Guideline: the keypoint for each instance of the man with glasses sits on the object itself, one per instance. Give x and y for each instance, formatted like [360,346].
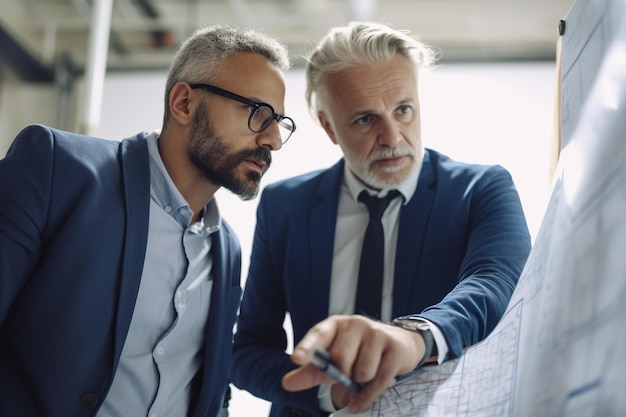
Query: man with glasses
[119,280]
[382,288]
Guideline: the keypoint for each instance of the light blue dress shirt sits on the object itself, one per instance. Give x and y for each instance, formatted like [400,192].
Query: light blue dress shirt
[163,349]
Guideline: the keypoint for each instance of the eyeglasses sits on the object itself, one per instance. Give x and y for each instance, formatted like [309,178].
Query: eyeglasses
[261,114]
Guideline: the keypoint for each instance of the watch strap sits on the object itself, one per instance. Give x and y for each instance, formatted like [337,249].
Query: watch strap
[429,342]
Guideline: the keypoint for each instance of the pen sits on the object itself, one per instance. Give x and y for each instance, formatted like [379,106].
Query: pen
[321,359]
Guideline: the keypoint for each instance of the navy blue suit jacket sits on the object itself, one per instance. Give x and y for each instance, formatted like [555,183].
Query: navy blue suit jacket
[73,231]
[462,244]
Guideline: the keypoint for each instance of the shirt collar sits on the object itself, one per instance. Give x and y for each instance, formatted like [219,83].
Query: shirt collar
[164,192]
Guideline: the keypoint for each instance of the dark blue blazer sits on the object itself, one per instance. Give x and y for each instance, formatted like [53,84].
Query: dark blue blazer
[74,217]
[462,244]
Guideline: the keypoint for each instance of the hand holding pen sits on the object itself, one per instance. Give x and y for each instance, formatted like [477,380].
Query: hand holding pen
[321,359]
[372,353]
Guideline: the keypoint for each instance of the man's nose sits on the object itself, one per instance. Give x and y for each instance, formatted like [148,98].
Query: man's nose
[388,133]
[270,137]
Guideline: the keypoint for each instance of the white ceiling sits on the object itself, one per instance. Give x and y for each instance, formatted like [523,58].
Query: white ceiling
[465,30]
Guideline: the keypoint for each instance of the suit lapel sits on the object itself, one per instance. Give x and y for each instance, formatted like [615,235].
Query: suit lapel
[411,234]
[225,297]
[219,297]
[136,184]
[322,233]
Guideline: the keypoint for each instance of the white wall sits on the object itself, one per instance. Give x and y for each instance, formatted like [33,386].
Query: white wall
[484,113]
[22,104]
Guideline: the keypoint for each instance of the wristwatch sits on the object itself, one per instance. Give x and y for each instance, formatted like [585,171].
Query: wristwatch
[419,325]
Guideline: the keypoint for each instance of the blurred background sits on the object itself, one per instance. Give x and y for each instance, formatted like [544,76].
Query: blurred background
[99,67]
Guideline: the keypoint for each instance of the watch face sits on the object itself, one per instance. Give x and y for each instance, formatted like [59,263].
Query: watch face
[420,325]
[412,323]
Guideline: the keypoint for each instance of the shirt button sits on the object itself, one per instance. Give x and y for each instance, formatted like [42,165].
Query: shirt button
[153,415]
[159,350]
[89,400]
[168,209]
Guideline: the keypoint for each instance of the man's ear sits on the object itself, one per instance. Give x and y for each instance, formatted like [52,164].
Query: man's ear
[180,102]
[326,125]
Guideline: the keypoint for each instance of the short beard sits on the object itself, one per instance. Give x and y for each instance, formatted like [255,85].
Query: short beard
[213,158]
[386,179]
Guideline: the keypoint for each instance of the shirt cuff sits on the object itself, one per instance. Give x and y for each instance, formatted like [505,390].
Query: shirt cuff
[324,398]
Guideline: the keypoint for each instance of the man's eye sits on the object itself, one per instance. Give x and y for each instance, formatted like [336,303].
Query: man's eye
[364,120]
[404,109]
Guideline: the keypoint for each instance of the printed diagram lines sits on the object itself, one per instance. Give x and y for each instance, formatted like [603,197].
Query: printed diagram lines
[479,383]
[583,308]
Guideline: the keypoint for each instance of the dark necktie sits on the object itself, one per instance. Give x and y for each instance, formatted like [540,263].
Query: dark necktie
[370,287]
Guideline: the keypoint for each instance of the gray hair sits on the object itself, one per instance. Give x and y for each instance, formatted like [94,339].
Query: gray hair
[200,57]
[357,44]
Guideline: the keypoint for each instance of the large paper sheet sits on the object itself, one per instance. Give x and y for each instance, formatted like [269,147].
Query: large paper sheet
[560,349]
[589,30]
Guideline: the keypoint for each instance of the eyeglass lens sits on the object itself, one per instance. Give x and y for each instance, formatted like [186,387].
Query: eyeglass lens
[263,116]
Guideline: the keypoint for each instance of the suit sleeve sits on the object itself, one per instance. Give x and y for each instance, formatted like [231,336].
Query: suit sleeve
[497,244]
[25,175]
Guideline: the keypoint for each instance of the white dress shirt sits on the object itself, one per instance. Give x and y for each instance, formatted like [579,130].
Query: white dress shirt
[352,220]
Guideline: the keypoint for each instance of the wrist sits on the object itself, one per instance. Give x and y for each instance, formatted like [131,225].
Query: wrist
[421,327]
